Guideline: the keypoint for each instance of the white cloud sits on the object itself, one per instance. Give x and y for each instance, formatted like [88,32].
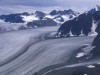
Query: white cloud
[7,9]
[46,5]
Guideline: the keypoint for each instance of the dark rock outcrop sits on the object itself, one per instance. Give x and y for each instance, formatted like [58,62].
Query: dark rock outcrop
[13,18]
[40,14]
[65,12]
[41,23]
[81,24]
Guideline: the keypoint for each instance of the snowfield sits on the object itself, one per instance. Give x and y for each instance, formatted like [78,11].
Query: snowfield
[25,52]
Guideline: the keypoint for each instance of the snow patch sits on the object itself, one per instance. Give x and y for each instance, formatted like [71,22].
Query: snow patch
[84,74]
[66,18]
[91,66]
[59,22]
[71,33]
[94,26]
[30,18]
[49,16]
[80,55]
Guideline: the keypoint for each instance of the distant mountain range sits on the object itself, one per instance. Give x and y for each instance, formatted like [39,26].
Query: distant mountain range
[72,23]
[84,24]
[37,19]
[57,16]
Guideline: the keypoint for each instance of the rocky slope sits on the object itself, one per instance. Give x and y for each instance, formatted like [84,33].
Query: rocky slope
[84,24]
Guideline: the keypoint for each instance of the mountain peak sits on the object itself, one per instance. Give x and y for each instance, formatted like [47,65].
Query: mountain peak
[63,12]
[97,8]
[54,12]
[40,14]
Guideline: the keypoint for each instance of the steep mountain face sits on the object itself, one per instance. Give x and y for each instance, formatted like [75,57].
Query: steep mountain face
[96,42]
[77,26]
[84,24]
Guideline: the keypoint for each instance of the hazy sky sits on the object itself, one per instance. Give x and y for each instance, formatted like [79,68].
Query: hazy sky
[8,6]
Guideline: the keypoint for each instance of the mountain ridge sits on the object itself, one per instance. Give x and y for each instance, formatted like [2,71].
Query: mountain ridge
[84,24]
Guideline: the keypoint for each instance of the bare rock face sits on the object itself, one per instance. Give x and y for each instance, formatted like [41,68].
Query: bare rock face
[64,12]
[41,23]
[96,43]
[14,18]
[81,24]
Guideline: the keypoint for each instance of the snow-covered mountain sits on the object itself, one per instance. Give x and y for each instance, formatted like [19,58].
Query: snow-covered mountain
[84,24]
[62,16]
[57,16]
[64,12]
[37,19]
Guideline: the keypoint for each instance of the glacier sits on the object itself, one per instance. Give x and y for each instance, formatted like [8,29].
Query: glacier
[25,52]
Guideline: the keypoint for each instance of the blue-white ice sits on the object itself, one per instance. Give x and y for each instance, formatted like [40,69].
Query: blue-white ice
[25,52]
